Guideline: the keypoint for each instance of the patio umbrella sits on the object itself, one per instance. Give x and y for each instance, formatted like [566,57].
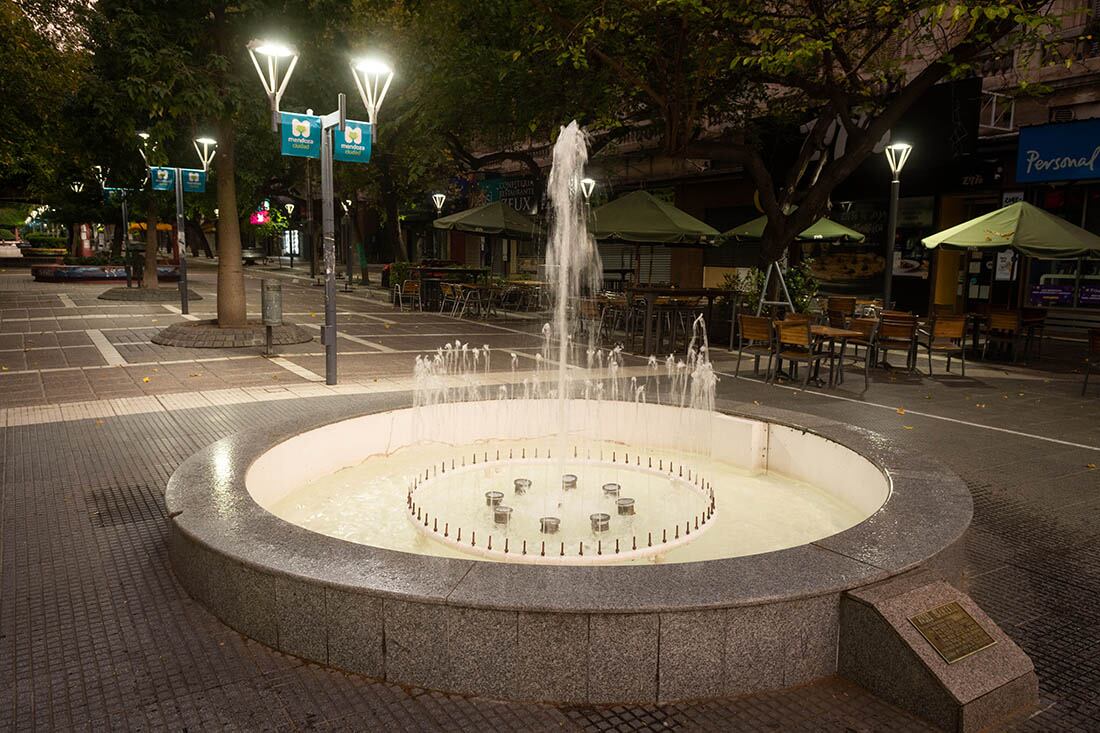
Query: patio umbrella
[1023,227]
[641,218]
[495,218]
[822,230]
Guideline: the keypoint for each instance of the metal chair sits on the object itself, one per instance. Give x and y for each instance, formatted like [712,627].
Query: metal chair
[408,292]
[795,344]
[755,337]
[946,335]
[897,330]
[450,296]
[1004,330]
[1092,358]
[867,328]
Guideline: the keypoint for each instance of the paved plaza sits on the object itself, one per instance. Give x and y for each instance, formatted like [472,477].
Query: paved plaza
[96,634]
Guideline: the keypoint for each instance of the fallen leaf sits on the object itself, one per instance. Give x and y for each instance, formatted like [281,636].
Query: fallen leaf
[145,379]
[928,397]
[98,422]
[387,327]
[312,315]
[907,427]
[979,404]
[1090,466]
[756,402]
[155,320]
[193,375]
[901,410]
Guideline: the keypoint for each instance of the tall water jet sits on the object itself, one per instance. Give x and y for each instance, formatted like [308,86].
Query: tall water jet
[572,260]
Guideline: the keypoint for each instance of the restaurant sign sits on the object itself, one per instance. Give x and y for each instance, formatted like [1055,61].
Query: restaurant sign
[1061,152]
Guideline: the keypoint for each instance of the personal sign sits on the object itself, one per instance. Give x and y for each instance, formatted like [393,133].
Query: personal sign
[353,144]
[1061,152]
[194,180]
[301,135]
[162,179]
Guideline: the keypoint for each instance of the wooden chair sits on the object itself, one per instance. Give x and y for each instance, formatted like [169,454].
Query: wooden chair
[842,304]
[1092,358]
[1004,329]
[449,297]
[897,330]
[755,337]
[407,292]
[795,344]
[946,335]
[867,328]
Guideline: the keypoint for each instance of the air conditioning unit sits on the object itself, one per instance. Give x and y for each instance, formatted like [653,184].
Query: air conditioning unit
[1062,114]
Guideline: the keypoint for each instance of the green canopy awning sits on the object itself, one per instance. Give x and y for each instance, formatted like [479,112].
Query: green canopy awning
[495,218]
[1023,227]
[639,217]
[823,230]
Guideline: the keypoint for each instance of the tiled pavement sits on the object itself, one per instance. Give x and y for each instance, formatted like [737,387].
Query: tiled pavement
[95,633]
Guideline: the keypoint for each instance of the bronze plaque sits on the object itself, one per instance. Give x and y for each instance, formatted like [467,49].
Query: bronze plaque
[952,632]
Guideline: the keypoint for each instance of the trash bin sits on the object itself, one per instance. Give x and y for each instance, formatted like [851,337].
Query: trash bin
[135,262]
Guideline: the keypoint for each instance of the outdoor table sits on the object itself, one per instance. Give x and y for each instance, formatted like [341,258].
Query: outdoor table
[651,295]
[1028,323]
[832,334]
[448,273]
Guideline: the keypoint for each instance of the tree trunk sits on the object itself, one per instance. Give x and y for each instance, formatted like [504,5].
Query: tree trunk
[231,302]
[74,241]
[116,241]
[149,275]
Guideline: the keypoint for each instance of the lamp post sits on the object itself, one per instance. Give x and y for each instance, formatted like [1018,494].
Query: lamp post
[204,146]
[290,242]
[345,233]
[588,185]
[273,52]
[896,155]
[373,86]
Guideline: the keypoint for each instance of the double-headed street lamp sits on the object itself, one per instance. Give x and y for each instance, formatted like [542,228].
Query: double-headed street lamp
[373,78]
[204,146]
[896,155]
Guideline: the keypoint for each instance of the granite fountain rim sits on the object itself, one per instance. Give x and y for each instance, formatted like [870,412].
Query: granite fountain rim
[928,510]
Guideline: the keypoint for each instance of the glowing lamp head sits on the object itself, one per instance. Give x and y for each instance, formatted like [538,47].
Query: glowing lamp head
[274,49]
[896,155]
[206,141]
[373,66]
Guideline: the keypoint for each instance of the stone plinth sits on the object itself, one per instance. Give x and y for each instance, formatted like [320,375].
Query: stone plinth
[882,649]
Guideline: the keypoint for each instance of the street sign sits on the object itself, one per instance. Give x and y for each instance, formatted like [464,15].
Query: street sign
[194,180]
[300,134]
[163,179]
[353,144]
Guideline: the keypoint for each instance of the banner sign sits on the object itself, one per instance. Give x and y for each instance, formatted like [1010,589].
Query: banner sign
[300,134]
[162,179]
[1060,152]
[353,144]
[194,180]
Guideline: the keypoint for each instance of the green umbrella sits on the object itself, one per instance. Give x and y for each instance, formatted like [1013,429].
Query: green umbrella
[823,230]
[1023,227]
[495,218]
[639,217]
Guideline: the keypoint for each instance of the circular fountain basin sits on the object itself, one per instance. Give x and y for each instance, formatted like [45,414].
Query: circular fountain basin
[308,539]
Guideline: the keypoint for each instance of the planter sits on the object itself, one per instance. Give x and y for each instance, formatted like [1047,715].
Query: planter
[84,273]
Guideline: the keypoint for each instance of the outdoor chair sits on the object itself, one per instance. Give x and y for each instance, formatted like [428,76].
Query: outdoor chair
[1092,358]
[407,292]
[845,305]
[1034,321]
[867,328]
[449,297]
[754,337]
[1004,331]
[946,335]
[897,331]
[837,318]
[795,344]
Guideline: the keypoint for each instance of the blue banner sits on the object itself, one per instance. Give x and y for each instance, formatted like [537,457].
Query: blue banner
[353,144]
[162,179]
[1062,152]
[301,135]
[194,180]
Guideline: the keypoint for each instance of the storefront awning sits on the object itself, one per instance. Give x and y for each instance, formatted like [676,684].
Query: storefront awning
[1022,227]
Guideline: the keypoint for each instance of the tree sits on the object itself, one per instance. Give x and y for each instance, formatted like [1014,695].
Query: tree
[719,79]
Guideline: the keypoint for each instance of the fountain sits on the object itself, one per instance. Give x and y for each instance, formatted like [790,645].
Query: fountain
[664,545]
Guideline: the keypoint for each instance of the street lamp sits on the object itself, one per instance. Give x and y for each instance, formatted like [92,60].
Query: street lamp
[77,186]
[273,52]
[206,152]
[896,155]
[438,199]
[373,78]
[587,186]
